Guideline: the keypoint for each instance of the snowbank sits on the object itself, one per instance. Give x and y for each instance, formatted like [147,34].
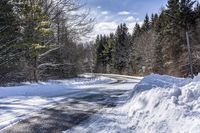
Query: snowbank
[157,104]
[165,104]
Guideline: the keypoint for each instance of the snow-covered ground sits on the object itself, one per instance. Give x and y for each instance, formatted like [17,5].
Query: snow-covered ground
[158,104]
[20,102]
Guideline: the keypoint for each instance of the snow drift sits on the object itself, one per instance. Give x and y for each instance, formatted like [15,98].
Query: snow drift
[156,104]
[165,104]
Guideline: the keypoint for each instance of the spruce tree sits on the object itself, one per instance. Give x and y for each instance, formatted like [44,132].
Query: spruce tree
[146,24]
[36,28]
[122,43]
[197,11]
[154,19]
[187,14]
[109,52]
[9,32]
[100,60]
[136,31]
[10,52]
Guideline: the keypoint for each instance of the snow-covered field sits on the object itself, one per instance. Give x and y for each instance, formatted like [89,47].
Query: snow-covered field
[158,104]
[20,102]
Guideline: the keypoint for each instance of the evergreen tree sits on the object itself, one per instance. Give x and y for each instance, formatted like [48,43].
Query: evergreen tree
[158,64]
[9,32]
[109,52]
[100,60]
[121,54]
[187,14]
[173,31]
[136,31]
[154,20]
[146,24]
[36,28]
[105,51]
[197,11]
[10,52]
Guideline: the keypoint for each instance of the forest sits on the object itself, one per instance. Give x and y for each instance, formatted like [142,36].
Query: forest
[40,40]
[157,46]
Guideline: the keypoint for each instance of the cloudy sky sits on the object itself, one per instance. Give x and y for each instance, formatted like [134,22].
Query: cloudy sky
[109,13]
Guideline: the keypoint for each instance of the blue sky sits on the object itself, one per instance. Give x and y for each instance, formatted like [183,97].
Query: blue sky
[109,13]
[140,6]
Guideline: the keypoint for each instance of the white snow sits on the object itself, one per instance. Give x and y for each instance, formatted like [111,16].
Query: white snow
[158,104]
[20,102]
[53,88]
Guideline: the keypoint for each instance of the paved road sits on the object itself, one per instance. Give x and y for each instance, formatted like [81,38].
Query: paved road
[73,110]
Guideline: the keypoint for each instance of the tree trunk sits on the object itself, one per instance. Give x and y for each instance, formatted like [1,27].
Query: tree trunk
[35,70]
[189,55]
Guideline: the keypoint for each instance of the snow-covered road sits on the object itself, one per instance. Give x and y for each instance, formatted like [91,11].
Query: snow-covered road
[103,104]
[158,104]
[59,105]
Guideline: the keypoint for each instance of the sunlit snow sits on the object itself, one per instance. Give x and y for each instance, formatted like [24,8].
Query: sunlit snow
[157,104]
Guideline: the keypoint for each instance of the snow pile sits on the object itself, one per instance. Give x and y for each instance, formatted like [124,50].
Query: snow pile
[157,104]
[165,104]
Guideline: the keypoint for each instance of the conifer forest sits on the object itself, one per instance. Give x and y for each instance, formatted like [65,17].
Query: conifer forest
[40,40]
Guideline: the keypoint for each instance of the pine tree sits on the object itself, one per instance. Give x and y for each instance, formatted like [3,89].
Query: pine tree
[122,43]
[187,14]
[36,29]
[173,30]
[180,13]
[197,11]
[10,52]
[158,63]
[109,52]
[146,24]
[105,51]
[154,20]
[136,31]
[9,32]
[100,60]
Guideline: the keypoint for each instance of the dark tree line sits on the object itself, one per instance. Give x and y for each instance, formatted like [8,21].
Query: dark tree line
[38,39]
[158,45]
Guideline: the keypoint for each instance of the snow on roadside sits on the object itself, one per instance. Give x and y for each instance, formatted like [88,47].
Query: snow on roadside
[157,104]
[53,87]
[20,102]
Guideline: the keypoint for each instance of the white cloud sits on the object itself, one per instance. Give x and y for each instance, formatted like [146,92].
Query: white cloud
[135,13]
[131,26]
[131,18]
[107,22]
[104,12]
[123,13]
[105,27]
[98,7]
[101,28]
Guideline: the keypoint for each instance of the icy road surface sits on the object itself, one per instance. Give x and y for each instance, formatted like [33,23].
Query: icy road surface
[57,106]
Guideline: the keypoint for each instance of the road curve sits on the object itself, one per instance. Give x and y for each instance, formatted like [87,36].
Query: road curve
[73,110]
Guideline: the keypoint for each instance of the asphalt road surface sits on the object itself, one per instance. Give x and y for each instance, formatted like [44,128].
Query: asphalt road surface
[73,110]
